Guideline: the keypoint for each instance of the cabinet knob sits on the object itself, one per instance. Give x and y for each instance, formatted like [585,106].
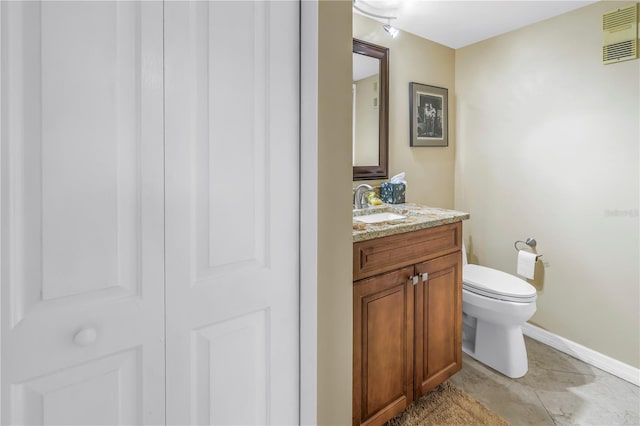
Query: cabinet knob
[415,279]
[85,336]
[425,276]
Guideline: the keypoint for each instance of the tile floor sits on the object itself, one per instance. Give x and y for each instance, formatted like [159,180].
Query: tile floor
[557,390]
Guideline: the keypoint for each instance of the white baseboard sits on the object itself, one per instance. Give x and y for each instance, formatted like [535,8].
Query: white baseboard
[591,357]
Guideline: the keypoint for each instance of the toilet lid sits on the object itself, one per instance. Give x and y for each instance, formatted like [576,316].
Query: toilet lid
[496,284]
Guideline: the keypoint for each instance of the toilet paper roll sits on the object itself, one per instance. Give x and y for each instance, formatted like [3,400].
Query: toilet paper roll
[526,263]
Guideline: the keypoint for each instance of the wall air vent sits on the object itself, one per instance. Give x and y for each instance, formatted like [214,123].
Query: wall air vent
[620,35]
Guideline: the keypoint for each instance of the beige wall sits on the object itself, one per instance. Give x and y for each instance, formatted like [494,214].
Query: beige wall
[335,306]
[547,147]
[429,171]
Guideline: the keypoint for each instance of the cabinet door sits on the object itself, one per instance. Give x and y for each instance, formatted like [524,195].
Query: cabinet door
[383,346]
[438,321]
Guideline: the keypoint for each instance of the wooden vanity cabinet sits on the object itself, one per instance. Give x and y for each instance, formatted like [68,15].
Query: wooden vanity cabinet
[407,319]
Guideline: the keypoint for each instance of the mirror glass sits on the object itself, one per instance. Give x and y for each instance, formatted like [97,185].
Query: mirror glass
[366,111]
[370,110]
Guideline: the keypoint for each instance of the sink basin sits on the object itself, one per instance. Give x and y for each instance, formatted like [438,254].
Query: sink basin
[379,217]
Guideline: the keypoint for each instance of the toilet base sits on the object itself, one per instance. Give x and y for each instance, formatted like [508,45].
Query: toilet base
[500,347]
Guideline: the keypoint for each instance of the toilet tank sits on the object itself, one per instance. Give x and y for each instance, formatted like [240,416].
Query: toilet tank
[464,254]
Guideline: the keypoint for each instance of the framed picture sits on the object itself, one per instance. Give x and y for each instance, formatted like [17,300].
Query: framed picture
[429,106]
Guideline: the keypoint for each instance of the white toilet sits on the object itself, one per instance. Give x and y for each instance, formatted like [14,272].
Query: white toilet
[495,305]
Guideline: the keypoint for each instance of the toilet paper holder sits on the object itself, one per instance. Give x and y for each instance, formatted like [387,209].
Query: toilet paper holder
[531,242]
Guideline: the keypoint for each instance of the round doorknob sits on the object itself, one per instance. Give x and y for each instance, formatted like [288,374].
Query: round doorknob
[85,336]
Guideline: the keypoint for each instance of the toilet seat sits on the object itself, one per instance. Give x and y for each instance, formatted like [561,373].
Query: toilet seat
[496,284]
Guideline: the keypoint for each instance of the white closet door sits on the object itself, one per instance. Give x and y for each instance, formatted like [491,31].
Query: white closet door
[232,76]
[82,213]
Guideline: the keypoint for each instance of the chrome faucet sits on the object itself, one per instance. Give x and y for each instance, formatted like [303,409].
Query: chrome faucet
[359,199]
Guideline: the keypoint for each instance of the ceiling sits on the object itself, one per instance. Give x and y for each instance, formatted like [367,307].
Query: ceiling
[457,24]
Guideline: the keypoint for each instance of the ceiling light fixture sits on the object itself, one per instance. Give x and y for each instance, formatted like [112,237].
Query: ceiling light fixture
[393,32]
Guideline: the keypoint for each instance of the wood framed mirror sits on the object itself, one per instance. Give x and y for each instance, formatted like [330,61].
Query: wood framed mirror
[370,111]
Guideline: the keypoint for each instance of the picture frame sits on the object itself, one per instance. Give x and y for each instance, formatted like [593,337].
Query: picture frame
[429,112]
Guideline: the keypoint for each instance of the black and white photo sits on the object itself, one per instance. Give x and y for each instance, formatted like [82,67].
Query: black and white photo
[429,115]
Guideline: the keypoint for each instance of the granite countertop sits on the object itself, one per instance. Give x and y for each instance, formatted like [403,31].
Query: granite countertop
[417,217]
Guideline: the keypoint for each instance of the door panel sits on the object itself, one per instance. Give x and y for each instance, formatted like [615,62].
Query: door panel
[82,211]
[232,164]
[442,324]
[232,212]
[236,341]
[108,388]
